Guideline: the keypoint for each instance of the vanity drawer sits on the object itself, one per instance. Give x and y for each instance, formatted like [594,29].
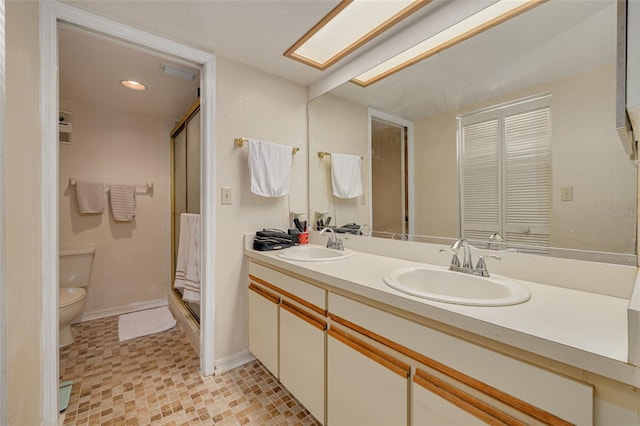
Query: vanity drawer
[284,284]
[562,397]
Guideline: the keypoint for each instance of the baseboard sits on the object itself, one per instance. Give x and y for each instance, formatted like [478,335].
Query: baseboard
[233,361]
[119,310]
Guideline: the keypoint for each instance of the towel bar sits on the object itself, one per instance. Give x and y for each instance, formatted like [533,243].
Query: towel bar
[322,154]
[239,142]
[147,185]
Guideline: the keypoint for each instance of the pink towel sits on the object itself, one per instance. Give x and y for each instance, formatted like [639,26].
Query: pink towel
[90,197]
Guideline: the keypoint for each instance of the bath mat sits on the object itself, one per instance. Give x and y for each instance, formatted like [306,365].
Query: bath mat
[146,322]
[64,392]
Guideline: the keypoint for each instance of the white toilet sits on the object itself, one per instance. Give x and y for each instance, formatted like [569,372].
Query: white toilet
[74,274]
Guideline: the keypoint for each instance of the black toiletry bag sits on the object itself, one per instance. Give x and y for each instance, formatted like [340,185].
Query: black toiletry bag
[271,239]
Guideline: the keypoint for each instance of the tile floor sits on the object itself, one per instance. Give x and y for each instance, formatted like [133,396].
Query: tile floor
[154,380]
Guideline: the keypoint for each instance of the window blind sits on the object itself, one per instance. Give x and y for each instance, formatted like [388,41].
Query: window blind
[506,173]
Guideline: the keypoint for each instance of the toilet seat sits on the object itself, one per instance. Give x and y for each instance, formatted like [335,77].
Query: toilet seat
[70,295]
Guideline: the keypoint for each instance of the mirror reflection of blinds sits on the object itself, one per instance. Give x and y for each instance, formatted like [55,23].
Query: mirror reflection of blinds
[481,176]
[506,174]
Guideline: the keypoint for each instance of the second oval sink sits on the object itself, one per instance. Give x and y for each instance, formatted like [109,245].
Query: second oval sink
[312,253]
[447,286]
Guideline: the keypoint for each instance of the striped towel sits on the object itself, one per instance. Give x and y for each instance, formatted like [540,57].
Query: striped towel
[123,202]
[188,262]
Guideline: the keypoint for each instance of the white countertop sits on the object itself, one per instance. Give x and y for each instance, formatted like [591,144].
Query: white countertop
[581,329]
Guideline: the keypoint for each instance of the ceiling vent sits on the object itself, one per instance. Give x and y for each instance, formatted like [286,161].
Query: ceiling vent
[186,74]
[65,127]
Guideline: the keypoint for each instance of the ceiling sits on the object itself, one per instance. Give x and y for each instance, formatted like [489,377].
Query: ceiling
[511,56]
[91,68]
[253,32]
[551,41]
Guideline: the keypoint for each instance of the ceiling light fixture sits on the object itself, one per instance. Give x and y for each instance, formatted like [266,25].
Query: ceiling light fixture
[483,20]
[133,85]
[183,73]
[347,27]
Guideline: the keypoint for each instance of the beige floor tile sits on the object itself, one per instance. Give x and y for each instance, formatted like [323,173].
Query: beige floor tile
[154,380]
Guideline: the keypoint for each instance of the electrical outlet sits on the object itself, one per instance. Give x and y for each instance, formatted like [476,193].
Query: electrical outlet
[225,196]
[363,199]
[566,193]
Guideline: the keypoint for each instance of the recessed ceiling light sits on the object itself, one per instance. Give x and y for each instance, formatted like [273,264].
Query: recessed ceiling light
[133,85]
[483,20]
[347,27]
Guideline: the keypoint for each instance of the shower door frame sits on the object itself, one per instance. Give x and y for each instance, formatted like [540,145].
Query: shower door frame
[181,126]
[50,13]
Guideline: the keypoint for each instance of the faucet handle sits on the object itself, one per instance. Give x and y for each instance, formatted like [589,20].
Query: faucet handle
[455,260]
[481,266]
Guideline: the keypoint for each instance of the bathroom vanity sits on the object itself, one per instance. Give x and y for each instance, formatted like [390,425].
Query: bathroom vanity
[355,351]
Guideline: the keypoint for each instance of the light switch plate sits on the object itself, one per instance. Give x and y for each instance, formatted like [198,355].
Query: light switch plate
[225,196]
[566,193]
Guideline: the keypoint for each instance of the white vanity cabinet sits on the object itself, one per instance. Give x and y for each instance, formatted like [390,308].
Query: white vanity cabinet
[300,333]
[302,343]
[353,362]
[457,382]
[365,386]
[263,326]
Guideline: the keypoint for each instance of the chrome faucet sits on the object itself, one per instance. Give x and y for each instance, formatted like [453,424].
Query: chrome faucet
[467,261]
[495,238]
[332,241]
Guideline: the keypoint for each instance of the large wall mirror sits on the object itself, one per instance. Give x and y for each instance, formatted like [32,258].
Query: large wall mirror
[409,130]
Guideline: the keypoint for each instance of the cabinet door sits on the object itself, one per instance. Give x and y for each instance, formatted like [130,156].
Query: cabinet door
[437,401]
[360,389]
[263,327]
[302,338]
[431,409]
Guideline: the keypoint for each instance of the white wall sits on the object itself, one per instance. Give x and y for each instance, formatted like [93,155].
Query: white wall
[109,145]
[337,125]
[436,176]
[250,103]
[22,216]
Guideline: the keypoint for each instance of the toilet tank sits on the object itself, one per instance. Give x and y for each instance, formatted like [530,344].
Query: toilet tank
[75,266]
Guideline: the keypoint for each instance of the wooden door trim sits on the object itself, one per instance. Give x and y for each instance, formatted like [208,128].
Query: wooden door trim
[463,400]
[400,368]
[271,297]
[317,323]
[293,297]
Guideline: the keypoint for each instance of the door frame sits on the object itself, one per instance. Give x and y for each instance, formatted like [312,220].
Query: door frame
[410,163]
[3,300]
[50,13]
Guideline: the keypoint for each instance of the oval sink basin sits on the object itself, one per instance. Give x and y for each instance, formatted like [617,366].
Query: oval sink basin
[447,286]
[307,253]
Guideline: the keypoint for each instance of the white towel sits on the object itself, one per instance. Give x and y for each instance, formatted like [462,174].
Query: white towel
[90,197]
[123,202]
[188,262]
[270,168]
[346,175]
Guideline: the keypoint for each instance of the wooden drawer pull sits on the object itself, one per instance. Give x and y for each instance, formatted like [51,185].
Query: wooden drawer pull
[319,324]
[289,295]
[370,352]
[463,400]
[264,293]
